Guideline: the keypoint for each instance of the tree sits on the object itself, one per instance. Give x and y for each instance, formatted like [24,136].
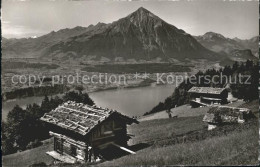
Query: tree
[79,88]
[34,110]
[86,99]
[17,125]
[7,140]
[247,91]
[249,64]
[235,66]
[45,106]
[78,98]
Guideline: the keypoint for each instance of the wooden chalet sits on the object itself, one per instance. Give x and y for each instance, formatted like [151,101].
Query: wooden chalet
[82,131]
[221,115]
[204,96]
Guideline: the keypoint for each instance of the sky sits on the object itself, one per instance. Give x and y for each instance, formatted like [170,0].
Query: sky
[29,18]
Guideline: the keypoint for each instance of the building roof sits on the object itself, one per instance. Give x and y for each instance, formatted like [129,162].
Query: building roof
[81,118]
[219,114]
[206,90]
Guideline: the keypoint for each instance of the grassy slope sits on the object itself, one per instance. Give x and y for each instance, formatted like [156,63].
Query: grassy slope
[253,106]
[181,111]
[187,111]
[234,149]
[161,129]
[237,147]
[29,157]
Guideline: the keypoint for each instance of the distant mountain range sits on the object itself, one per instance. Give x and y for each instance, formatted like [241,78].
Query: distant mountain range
[218,43]
[140,36]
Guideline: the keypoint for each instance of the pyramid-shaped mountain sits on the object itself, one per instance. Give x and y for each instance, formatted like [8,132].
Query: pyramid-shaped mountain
[138,36]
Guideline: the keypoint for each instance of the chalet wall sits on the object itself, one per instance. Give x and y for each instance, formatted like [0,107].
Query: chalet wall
[70,149]
[66,145]
[109,131]
[197,95]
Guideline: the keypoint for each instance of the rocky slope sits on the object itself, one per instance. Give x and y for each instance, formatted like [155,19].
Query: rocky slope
[218,43]
[242,55]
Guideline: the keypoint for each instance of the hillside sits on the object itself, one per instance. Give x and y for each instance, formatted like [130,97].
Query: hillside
[240,90]
[230,145]
[236,148]
[185,141]
[183,111]
[251,44]
[218,43]
[248,49]
[34,47]
[242,55]
[140,36]
[29,157]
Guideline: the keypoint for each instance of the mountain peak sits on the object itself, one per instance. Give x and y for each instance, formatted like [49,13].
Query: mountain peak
[142,14]
[213,34]
[142,9]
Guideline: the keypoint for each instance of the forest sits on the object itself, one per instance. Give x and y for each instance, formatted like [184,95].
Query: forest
[35,91]
[241,90]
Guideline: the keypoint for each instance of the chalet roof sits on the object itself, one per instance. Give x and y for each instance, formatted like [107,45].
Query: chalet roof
[206,90]
[81,118]
[218,114]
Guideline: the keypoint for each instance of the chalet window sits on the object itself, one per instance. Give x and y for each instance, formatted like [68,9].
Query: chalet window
[107,128]
[73,150]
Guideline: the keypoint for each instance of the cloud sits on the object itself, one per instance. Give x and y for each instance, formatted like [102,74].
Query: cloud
[10,30]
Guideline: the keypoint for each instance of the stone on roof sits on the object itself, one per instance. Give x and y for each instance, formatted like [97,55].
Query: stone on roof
[206,90]
[225,114]
[81,118]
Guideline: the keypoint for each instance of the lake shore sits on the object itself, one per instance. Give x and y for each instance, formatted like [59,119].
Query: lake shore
[115,98]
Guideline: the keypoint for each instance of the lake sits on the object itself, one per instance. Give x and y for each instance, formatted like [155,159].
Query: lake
[129,101]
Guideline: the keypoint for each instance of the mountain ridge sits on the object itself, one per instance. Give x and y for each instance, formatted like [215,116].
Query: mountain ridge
[221,44]
[140,36]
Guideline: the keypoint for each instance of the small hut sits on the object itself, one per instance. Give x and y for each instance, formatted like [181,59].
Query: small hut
[221,115]
[204,96]
[82,131]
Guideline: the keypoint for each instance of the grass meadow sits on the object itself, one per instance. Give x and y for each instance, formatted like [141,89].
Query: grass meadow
[238,148]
